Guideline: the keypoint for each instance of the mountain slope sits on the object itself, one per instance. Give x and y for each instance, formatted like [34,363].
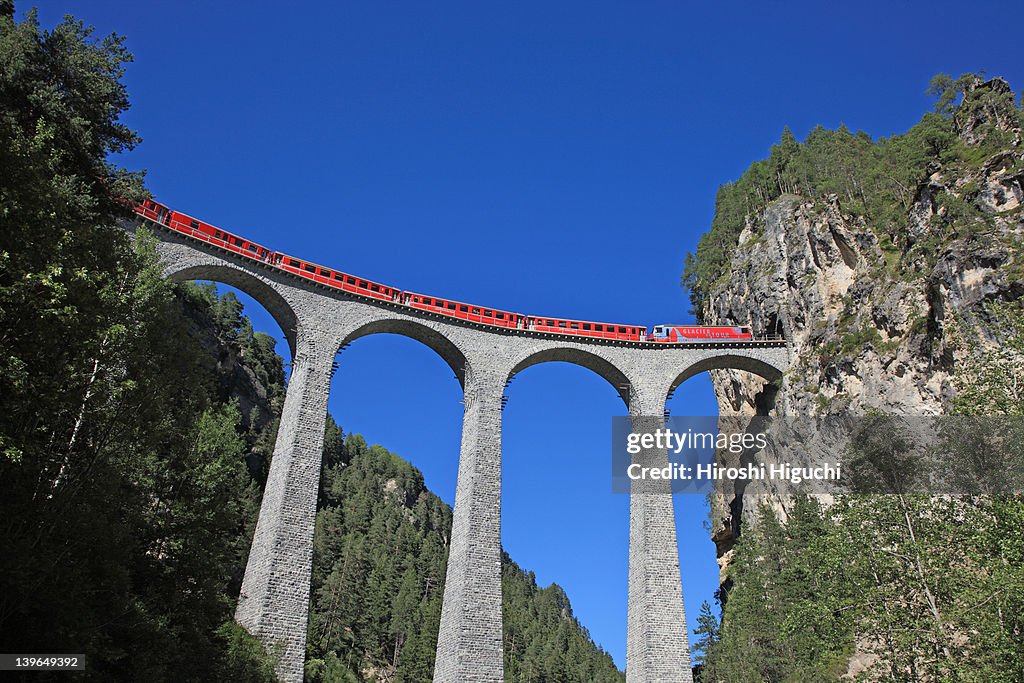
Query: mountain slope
[894,269]
[879,260]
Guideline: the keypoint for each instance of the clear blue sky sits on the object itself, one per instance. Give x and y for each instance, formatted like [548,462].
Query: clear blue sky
[556,158]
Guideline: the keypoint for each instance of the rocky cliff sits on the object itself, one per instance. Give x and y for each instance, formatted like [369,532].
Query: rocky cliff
[876,259]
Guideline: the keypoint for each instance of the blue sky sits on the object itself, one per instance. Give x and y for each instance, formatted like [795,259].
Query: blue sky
[556,158]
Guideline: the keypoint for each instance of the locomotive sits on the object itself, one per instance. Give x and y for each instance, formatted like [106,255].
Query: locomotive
[197,229]
[691,333]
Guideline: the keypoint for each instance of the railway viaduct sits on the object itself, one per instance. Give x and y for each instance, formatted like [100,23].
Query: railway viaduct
[318,321]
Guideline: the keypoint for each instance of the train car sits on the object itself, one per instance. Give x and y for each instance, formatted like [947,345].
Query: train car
[584,328]
[335,278]
[194,227]
[456,309]
[699,333]
[154,211]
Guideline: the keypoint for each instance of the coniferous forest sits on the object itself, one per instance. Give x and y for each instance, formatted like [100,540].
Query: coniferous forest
[137,422]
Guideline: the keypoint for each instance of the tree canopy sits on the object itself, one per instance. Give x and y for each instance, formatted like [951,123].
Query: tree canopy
[874,179]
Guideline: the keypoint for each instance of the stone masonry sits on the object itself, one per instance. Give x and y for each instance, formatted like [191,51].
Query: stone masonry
[318,321]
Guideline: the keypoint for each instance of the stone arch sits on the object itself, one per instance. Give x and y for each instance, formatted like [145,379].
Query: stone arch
[280,310]
[424,334]
[727,361]
[585,359]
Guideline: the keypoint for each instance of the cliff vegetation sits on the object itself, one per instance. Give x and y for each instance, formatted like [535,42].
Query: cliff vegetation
[893,267]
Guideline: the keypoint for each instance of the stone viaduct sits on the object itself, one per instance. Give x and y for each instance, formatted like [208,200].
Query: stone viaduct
[318,321]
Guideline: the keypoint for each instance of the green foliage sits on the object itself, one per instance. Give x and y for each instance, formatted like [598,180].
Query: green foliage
[708,634]
[948,91]
[129,499]
[780,621]
[245,659]
[925,587]
[543,640]
[875,179]
[123,483]
[928,589]
[859,338]
[992,382]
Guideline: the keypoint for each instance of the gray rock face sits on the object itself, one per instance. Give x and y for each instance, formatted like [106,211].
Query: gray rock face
[318,321]
[873,326]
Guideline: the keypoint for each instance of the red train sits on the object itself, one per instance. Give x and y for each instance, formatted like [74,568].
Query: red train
[699,333]
[334,278]
[583,328]
[329,277]
[456,309]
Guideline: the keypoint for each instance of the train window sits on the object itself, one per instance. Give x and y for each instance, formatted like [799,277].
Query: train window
[310,268]
[574,326]
[375,288]
[561,323]
[476,311]
[501,316]
[586,326]
[464,309]
[252,247]
[194,224]
[292,262]
[351,280]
